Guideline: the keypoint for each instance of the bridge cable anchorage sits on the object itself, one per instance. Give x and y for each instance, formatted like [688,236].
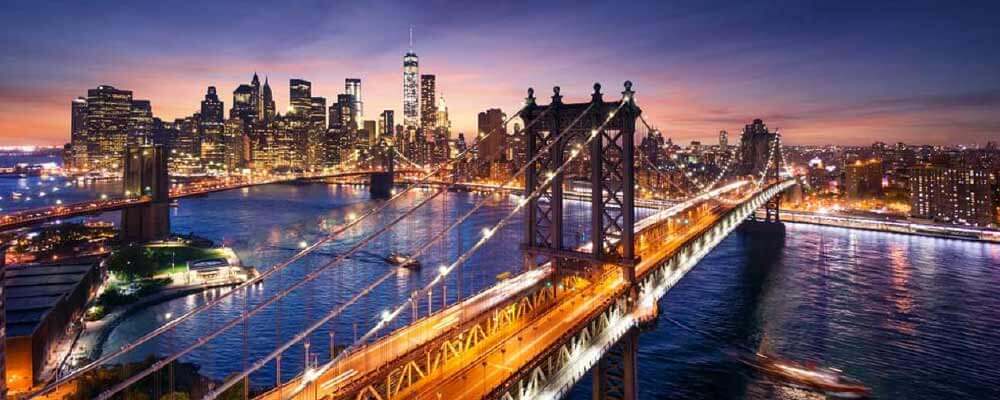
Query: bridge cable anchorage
[307,278]
[169,325]
[445,270]
[388,316]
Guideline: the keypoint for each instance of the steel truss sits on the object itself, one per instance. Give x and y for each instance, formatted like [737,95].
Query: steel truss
[553,373]
[612,177]
[392,380]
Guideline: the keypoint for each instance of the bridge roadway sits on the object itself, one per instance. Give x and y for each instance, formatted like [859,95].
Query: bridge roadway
[21,219]
[493,366]
[487,365]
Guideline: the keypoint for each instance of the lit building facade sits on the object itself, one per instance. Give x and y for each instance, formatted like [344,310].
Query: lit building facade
[108,113]
[80,143]
[352,86]
[299,96]
[863,179]
[428,103]
[490,122]
[954,195]
[411,101]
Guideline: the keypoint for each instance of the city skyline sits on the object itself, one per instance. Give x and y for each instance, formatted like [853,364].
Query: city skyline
[699,69]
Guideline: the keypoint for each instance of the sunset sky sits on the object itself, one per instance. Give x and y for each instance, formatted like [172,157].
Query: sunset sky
[843,73]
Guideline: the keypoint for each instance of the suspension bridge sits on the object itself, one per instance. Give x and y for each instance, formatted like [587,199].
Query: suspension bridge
[568,310]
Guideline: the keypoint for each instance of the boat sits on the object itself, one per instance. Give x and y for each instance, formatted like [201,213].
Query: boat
[829,381]
[402,260]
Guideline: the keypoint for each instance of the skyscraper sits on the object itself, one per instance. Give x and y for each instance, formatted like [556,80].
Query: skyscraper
[386,124]
[371,129]
[255,99]
[345,112]
[755,146]
[723,139]
[491,123]
[267,101]
[428,104]
[299,94]
[140,122]
[411,103]
[212,131]
[352,86]
[79,140]
[212,108]
[107,121]
[243,105]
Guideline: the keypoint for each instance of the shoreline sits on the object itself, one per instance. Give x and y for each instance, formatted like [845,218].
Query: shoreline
[97,332]
[981,235]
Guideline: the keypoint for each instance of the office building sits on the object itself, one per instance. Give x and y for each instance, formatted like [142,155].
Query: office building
[244,104]
[723,139]
[316,135]
[352,86]
[428,104]
[109,111]
[490,122]
[411,101]
[954,195]
[212,109]
[386,124]
[267,102]
[863,179]
[80,143]
[299,96]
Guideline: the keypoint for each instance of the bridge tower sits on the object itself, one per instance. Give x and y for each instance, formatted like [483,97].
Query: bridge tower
[610,160]
[771,224]
[145,176]
[773,205]
[380,183]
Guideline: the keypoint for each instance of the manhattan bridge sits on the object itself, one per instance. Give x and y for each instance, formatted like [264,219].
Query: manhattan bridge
[564,311]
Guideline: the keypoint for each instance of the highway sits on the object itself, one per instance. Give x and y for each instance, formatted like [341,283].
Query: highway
[369,358]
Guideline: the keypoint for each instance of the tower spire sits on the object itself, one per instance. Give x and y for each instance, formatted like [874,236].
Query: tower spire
[411,38]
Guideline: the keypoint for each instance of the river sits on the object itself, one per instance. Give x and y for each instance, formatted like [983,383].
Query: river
[910,316]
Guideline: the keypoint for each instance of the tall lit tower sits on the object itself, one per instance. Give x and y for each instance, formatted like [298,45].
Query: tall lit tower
[411,101]
[723,139]
[428,104]
[352,86]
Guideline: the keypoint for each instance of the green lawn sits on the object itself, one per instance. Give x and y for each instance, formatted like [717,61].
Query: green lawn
[149,260]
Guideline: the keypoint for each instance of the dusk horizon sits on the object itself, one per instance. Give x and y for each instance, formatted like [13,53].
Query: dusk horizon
[527,200]
[912,73]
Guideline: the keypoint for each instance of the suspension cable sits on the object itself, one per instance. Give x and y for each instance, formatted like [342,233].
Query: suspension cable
[169,325]
[701,187]
[388,316]
[416,294]
[308,277]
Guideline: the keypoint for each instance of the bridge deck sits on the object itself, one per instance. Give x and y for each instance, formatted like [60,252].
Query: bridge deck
[466,377]
[474,380]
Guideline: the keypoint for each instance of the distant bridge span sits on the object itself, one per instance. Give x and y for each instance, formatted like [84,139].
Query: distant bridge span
[25,218]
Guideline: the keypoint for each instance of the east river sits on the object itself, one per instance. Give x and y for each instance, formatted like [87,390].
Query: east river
[912,317]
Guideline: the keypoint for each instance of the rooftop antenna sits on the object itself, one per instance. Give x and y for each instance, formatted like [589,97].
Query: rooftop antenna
[411,38]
